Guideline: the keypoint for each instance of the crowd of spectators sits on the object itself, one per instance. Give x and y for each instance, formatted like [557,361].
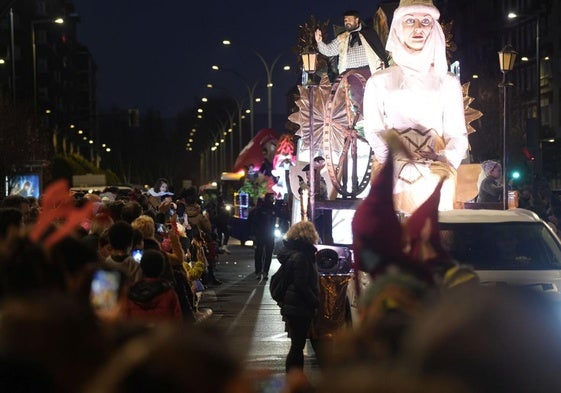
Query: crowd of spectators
[539,197]
[84,276]
[80,314]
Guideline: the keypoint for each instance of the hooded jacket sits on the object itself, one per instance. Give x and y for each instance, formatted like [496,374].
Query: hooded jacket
[152,300]
[302,296]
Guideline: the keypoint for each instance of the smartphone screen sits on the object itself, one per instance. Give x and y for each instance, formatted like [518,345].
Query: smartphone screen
[137,255]
[105,288]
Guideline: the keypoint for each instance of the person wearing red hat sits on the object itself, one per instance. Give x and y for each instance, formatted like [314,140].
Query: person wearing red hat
[422,103]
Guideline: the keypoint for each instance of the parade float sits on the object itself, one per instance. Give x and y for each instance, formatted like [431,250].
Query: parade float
[329,124]
[250,179]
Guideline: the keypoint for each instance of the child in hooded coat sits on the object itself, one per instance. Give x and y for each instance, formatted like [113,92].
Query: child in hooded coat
[152,299]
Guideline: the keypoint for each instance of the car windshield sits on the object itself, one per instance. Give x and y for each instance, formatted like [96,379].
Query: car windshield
[502,246]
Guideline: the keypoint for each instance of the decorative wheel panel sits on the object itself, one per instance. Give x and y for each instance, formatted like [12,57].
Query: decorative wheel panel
[347,154]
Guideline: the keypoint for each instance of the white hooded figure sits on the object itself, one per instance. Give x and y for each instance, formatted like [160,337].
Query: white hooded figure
[419,100]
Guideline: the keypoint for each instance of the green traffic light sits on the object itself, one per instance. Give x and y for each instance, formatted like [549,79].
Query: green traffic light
[516,175]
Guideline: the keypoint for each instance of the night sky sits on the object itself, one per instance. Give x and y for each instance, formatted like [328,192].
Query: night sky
[157,54]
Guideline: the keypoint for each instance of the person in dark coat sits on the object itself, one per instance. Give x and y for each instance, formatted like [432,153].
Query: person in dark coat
[301,299]
[262,221]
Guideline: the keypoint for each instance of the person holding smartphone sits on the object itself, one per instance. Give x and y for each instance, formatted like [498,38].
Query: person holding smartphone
[121,241]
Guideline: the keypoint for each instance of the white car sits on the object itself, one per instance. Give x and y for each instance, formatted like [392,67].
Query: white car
[505,247]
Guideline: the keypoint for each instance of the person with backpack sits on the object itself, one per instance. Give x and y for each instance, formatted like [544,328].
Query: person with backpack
[301,299]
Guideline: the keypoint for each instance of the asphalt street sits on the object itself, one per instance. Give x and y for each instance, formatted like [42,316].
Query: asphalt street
[242,306]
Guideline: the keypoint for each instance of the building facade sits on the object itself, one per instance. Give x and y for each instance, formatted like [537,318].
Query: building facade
[45,68]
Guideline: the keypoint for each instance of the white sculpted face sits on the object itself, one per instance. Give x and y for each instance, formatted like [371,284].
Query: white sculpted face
[416,28]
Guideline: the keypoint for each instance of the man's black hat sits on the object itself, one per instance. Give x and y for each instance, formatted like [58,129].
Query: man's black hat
[354,13]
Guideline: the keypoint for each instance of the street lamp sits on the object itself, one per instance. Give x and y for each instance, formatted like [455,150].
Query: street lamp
[239,109]
[12,54]
[507,57]
[269,70]
[536,16]
[218,153]
[309,65]
[220,136]
[225,118]
[230,129]
[34,52]
[250,92]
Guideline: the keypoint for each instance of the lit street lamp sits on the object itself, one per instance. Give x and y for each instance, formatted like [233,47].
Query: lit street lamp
[507,57]
[230,129]
[250,93]
[269,70]
[220,136]
[239,108]
[34,52]
[309,65]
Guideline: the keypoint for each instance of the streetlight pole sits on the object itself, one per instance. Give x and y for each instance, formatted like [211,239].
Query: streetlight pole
[239,108]
[13,54]
[312,171]
[507,57]
[34,53]
[269,70]
[309,62]
[537,17]
[221,137]
[538,93]
[230,127]
[219,134]
[250,93]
